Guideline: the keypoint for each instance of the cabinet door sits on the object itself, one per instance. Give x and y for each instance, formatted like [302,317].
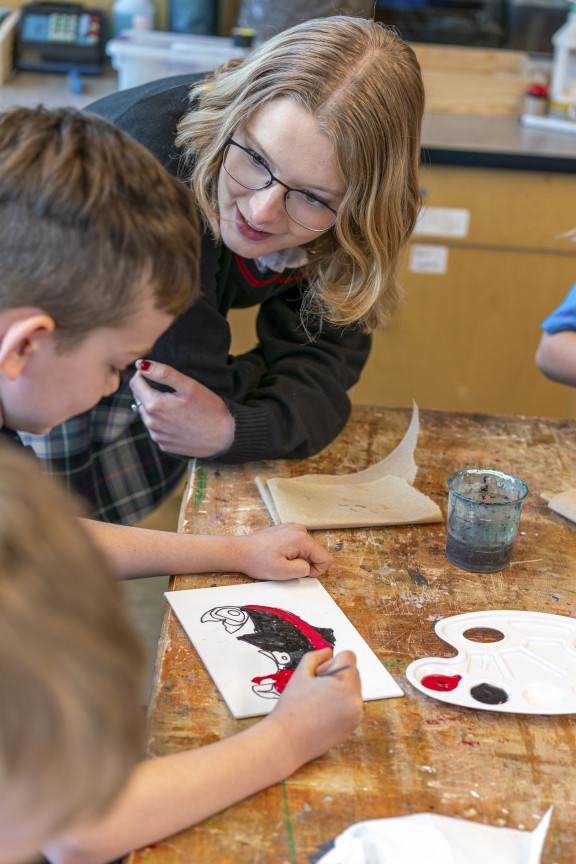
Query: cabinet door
[518,209]
[465,340]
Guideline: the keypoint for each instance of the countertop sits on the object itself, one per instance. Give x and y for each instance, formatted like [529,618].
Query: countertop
[448,139]
[498,141]
[52,90]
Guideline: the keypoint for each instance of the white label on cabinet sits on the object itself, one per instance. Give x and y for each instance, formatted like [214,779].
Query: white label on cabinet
[569,235]
[442,222]
[425,258]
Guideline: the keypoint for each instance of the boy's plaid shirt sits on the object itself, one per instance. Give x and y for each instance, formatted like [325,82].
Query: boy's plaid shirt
[108,457]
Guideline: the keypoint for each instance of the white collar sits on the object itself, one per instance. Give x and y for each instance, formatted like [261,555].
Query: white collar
[296,256]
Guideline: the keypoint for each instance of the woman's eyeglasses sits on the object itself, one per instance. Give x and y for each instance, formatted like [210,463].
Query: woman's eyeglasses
[249,169]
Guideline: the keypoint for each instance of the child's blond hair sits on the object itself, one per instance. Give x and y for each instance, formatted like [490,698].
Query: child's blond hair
[70,662]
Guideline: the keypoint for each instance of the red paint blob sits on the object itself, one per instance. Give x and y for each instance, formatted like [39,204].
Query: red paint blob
[441,682]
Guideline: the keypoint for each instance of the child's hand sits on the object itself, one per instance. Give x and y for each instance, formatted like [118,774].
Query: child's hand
[282,552]
[317,713]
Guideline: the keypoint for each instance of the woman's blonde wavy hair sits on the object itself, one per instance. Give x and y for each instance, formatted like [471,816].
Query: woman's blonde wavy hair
[363,85]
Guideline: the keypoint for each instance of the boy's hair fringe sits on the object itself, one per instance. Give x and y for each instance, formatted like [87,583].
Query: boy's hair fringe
[88,218]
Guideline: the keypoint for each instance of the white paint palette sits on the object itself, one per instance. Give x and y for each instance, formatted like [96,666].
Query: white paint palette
[508,661]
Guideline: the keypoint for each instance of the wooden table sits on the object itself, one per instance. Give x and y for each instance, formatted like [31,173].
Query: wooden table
[410,754]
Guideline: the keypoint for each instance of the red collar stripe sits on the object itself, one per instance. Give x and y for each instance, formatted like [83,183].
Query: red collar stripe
[254,282]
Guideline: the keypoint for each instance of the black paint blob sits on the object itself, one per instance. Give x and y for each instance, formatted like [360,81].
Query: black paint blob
[489,694]
[418,578]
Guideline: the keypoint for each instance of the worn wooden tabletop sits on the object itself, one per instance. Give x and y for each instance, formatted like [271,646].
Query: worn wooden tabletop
[411,754]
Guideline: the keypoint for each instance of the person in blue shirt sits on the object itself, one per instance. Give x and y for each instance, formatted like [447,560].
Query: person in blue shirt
[556,354]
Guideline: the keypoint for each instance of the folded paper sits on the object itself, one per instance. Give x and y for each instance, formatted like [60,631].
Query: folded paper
[434,839]
[564,504]
[379,495]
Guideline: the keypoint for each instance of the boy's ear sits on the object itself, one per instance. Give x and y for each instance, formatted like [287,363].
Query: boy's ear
[20,339]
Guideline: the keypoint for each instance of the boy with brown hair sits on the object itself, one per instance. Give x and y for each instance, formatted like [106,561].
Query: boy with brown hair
[99,254]
[81,203]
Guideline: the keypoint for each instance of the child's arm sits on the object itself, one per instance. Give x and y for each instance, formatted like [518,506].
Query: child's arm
[169,794]
[282,552]
[556,356]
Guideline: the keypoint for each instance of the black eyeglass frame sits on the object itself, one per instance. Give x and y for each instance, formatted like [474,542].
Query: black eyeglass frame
[274,179]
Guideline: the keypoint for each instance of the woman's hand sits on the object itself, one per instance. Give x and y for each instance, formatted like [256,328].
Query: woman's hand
[191,421]
[282,552]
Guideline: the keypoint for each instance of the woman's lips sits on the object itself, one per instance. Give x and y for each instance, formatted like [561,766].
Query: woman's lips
[247,231]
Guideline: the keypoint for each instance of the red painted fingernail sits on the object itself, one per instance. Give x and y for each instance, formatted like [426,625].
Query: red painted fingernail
[144,365]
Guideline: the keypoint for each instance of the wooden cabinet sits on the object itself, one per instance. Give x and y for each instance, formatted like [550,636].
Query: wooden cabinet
[465,339]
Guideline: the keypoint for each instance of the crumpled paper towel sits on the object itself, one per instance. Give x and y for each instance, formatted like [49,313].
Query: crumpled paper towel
[564,503]
[425,838]
[379,495]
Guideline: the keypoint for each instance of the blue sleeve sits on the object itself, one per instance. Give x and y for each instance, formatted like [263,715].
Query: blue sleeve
[564,317]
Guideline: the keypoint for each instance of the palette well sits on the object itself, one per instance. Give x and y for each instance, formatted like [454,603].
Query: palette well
[508,661]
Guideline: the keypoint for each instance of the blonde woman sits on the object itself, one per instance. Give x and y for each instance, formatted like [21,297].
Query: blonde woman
[303,159]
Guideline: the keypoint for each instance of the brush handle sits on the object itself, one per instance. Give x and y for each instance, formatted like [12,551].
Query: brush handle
[333,671]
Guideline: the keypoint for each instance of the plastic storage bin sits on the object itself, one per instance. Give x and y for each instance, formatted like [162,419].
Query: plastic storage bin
[563,84]
[7,30]
[140,56]
[132,15]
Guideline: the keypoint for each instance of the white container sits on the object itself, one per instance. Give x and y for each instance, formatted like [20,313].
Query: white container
[132,15]
[139,56]
[563,82]
[7,31]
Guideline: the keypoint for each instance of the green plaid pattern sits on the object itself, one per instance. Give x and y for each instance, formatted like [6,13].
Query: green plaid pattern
[107,456]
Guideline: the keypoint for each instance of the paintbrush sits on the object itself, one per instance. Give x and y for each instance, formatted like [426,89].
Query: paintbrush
[333,671]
